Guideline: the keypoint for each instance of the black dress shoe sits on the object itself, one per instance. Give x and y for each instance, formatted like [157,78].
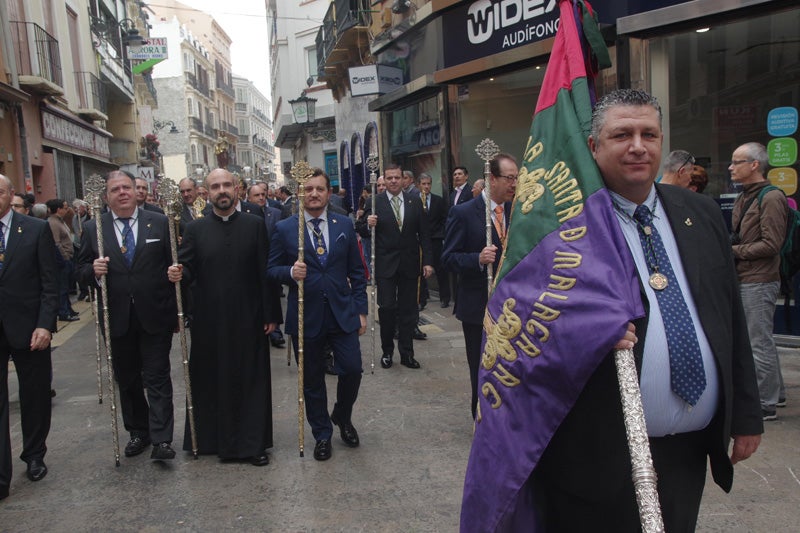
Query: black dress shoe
[162,451]
[419,334]
[136,446]
[445,304]
[323,449]
[409,361]
[346,431]
[260,460]
[386,361]
[423,305]
[36,469]
[68,318]
[277,343]
[3,492]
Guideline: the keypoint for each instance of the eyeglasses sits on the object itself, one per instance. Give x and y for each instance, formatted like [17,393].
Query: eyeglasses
[511,179]
[18,206]
[689,159]
[735,162]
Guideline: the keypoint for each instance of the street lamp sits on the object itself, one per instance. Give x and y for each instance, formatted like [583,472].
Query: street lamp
[159,125]
[130,34]
[303,109]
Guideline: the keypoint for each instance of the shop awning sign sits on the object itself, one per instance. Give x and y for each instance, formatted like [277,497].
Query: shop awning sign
[374,79]
[154,48]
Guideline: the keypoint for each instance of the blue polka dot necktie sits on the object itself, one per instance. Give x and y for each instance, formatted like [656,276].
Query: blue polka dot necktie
[687,375]
[319,241]
[128,244]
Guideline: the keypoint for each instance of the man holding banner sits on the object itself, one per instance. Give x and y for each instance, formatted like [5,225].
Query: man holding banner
[587,270]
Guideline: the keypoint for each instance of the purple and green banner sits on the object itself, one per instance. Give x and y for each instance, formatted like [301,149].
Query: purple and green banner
[564,293]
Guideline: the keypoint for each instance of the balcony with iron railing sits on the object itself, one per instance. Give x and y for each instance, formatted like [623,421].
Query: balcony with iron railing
[230,128]
[91,96]
[196,124]
[344,34]
[198,86]
[260,114]
[241,107]
[38,59]
[209,130]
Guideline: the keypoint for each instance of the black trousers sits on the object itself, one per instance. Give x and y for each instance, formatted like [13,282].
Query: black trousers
[473,334]
[141,361]
[397,305]
[442,276]
[680,463]
[33,372]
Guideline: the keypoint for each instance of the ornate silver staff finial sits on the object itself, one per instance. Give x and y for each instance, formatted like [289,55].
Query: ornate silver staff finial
[373,162]
[170,197]
[94,186]
[487,149]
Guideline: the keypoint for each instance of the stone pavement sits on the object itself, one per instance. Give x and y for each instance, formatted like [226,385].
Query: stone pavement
[407,475]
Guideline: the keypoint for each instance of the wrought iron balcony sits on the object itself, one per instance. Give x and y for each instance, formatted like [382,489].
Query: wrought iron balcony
[38,59]
[91,96]
[196,124]
[344,34]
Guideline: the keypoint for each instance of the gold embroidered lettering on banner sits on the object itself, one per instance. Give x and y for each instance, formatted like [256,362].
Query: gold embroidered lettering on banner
[498,342]
[488,390]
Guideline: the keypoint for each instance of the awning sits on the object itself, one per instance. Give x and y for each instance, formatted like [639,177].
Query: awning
[413,91]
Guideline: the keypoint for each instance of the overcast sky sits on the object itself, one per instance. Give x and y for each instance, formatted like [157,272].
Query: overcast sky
[245,22]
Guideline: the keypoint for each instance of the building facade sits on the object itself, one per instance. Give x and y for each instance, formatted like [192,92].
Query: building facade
[255,151]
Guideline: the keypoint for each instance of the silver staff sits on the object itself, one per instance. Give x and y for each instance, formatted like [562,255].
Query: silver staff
[372,165]
[93,299]
[487,149]
[173,205]
[95,186]
[644,475]
[300,172]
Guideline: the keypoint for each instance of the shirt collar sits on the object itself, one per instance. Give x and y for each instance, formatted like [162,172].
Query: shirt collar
[323,217]
[629,207]
[6,220]
[133,217]
[399,195]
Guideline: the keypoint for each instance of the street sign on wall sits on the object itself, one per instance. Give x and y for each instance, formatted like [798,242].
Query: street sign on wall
[154,48]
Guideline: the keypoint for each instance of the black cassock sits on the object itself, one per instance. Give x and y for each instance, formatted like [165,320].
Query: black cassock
[225,262]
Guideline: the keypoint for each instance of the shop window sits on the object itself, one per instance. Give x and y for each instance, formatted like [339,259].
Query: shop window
[718,87]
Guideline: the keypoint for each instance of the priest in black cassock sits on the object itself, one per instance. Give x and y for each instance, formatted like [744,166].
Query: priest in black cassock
[225,255]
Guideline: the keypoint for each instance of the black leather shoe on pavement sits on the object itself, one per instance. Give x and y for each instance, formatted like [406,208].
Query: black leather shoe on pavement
[386,361]
[260,460]
[68,318]
[36,469]
[409,361]
[347,432]
[445,304]
[162,452]
[419,334]
[136,446]
[323,449]
[3,492]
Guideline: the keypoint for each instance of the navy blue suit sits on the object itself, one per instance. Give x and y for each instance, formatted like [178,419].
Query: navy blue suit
[334,297]
[465,237]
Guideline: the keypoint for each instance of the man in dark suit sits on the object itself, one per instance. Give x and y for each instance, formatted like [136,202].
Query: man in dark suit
[257,194]
[584,475]
[402,244]
[461,191]
[142,190]
[188,190]
[29,296]
[335,308]
[436,209]
[466,254]
[142,312]
[288,202]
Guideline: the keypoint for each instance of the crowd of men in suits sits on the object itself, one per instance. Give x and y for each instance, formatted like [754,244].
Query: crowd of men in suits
[241,247]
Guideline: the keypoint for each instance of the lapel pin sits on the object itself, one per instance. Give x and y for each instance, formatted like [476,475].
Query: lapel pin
[19,229]
[688,221]
[149,225]
[334,221]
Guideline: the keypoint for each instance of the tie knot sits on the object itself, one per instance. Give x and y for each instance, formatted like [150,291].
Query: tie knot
[498,209]
[125,222]
[396,200]
[316,222]
[643,215]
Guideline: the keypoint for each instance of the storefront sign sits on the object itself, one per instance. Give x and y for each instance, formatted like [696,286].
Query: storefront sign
[64,131]
[374,79]
[485,27]
[782,152]
[785,179]
[782,121]
[154,48]
[430,136]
